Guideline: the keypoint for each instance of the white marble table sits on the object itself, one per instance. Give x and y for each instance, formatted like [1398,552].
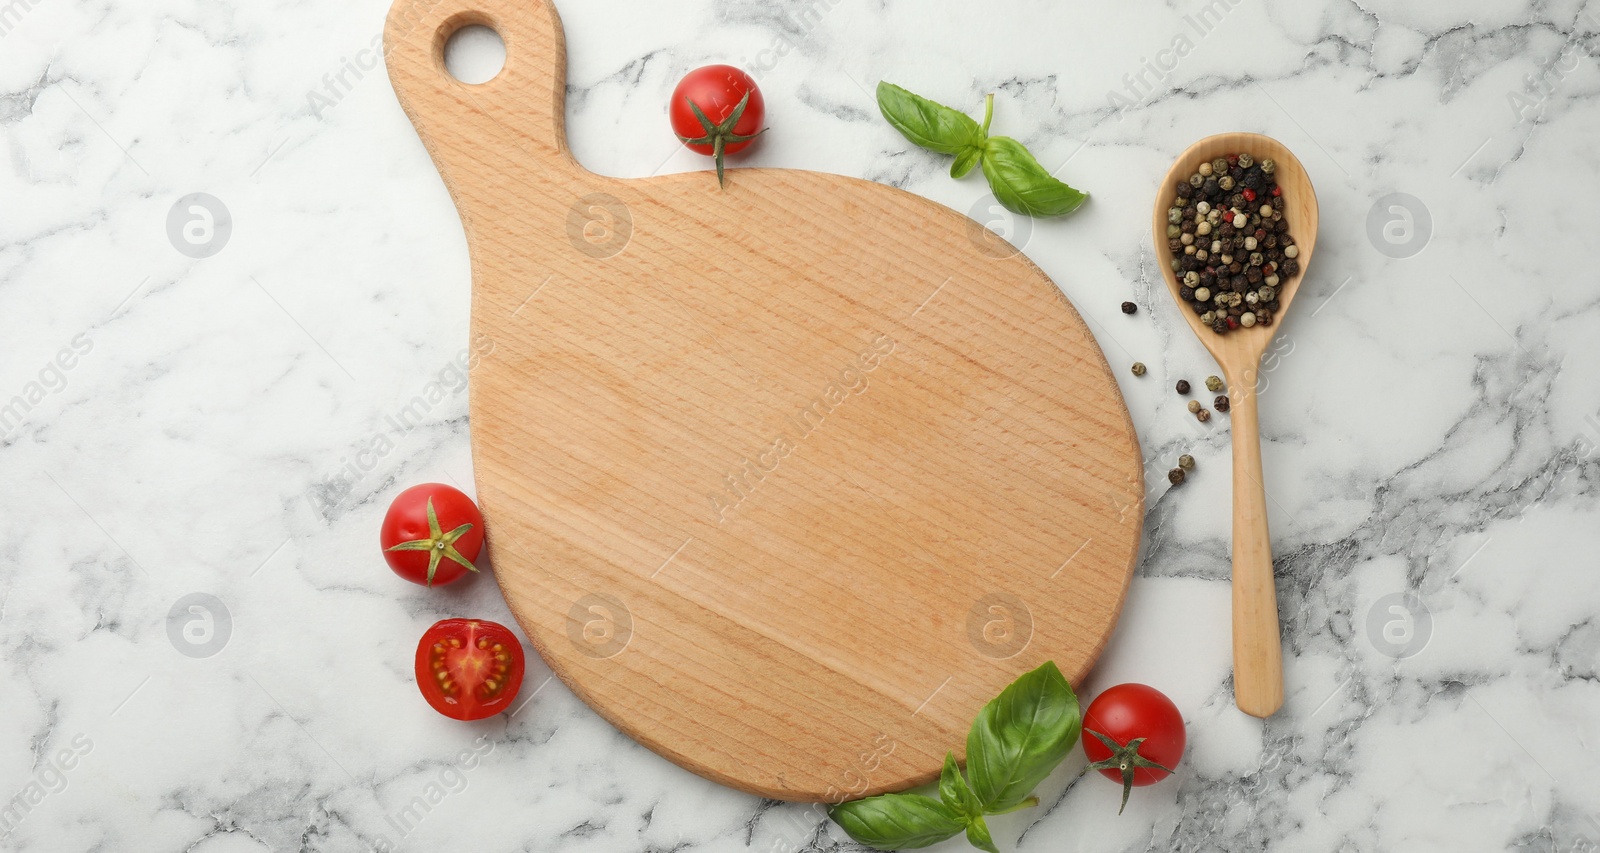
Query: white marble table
[233,425]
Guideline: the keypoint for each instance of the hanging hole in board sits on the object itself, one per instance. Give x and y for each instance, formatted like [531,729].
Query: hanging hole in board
[474,54]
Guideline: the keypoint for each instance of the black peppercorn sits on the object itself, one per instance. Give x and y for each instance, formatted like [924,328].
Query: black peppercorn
[1187,293]
[1175,476]
[1183,386]
[1221,403]
[1129,307]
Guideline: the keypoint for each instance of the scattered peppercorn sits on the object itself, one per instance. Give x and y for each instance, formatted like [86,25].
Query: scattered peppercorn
[1222,403]
[1183,386]
[1186,462]
[1138,368]
[1231,248]
[1194,406]
[1213,383]
[1175,476]
[1204,415]
[1129,307]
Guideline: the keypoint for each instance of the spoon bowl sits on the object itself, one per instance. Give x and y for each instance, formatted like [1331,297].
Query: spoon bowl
[1257,646]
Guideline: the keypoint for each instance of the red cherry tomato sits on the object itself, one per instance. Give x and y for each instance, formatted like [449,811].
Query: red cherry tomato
[469,669]
[431,534]
[731,111]
[1129,712]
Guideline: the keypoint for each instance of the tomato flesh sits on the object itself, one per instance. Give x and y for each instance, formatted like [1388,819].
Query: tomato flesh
[469,669]
[1129,711]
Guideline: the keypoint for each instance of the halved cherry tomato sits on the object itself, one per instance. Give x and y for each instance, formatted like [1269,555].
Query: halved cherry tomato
[431,534]
[1134,736]
[469,669]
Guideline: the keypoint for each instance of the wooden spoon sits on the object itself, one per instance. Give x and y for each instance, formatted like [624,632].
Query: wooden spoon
[1257,646]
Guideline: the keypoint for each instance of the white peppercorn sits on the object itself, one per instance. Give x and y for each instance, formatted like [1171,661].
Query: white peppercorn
[1202,294]
[1205,170]
[1247,319]
[1291,251]
[1194,405]
[1240,220]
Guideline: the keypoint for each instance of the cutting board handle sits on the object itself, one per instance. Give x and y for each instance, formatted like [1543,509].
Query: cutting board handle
[508,116]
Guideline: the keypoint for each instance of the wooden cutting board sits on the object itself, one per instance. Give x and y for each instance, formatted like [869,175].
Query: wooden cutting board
[785,479]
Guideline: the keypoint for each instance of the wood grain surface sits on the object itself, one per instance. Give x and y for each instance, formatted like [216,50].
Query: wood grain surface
[785,480]
[1257,645]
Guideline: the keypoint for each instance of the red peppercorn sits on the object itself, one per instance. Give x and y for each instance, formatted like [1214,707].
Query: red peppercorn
[1233,159]
[1249,194]
[1233,323]
[1277,191]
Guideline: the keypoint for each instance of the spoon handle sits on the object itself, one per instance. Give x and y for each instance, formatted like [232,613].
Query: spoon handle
[1257,646]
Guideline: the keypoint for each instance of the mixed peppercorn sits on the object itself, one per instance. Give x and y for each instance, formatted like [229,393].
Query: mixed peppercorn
[1230,242]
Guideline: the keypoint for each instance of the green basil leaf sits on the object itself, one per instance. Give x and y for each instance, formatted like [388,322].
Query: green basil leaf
[1020,736]
[965,161]
[978,835]
[897,821]
[956,793]
[1021,184]
[933,126]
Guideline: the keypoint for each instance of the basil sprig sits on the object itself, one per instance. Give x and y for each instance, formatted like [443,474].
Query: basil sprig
[897,821]
[1020,737]
[1016,178]
[1016,741]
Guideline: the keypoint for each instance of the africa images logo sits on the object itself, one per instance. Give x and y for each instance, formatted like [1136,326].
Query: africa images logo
[741,482]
